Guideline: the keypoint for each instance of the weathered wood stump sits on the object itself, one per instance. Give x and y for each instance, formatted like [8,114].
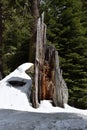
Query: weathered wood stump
[49,83]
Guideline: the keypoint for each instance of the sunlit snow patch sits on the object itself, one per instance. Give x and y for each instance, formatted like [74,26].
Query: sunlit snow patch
[17,98]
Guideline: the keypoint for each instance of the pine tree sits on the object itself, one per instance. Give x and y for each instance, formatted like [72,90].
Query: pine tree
[66,30]
[17,33]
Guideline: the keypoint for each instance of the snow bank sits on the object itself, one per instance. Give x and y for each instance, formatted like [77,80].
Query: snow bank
[17,97]
[12,97]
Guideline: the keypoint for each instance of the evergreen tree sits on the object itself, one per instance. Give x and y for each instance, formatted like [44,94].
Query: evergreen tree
[66,30]
[17,33]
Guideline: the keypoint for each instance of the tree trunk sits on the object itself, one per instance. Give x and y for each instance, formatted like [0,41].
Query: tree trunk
[33,48]
[1,62]
[35,15]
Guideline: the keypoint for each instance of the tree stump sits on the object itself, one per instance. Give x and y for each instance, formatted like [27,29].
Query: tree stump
[48,83]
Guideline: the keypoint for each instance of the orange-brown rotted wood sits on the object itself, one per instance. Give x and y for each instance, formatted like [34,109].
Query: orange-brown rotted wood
[47,84]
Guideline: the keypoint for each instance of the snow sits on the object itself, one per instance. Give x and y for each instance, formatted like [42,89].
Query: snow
[21,120]
[17,98]
[12,97]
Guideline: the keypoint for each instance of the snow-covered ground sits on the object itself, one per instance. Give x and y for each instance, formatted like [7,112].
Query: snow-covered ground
[16,98]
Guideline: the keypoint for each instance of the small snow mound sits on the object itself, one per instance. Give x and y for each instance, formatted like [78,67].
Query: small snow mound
[16,98]
[24,67]
[45,104]
[46,107]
